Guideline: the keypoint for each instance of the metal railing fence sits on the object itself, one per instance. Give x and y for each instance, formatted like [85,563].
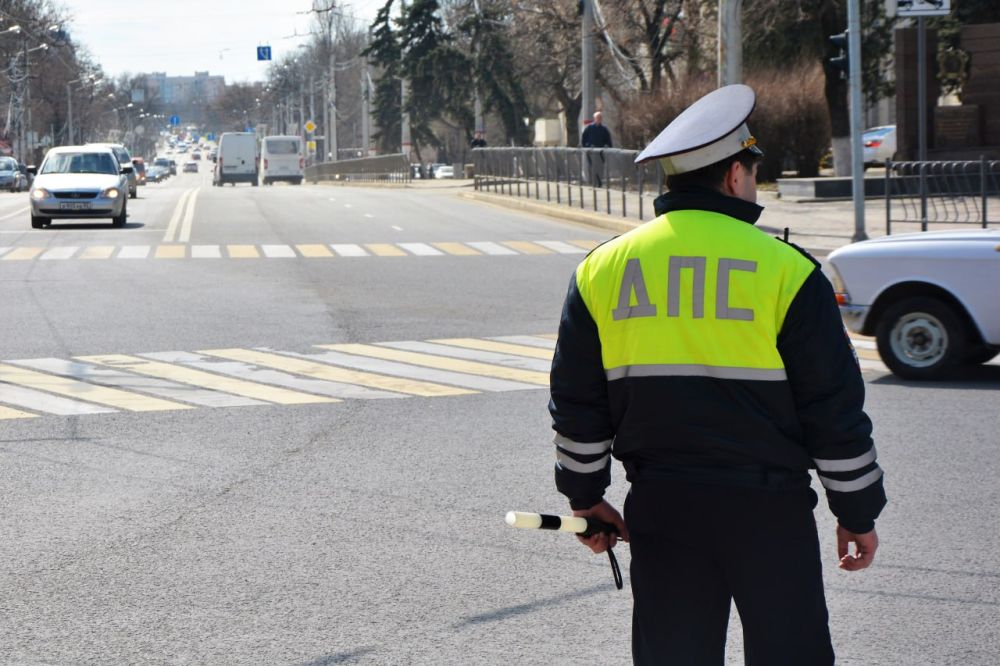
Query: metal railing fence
[383,168]
[956,192]
[605,180]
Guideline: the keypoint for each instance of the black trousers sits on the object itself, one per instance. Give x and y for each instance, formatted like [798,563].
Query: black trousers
[695,547]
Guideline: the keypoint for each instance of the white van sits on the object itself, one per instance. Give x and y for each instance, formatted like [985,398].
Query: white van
[281,158]
[236,161]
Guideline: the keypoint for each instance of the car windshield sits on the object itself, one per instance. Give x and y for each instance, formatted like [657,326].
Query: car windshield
[8,165]
[282,146]
[161,162]
[80,163]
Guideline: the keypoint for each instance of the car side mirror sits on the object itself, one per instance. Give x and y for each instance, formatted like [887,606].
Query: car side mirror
[33,170]
[126,169]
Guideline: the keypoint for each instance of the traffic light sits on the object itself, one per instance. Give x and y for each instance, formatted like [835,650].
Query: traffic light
[842,61]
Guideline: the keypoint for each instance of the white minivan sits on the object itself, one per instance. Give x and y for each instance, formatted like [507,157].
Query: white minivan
[281,158]
[237,159]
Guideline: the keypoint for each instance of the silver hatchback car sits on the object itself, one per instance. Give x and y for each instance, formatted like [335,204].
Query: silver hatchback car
[79,182]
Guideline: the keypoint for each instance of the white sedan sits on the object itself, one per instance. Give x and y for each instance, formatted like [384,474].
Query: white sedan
[79,182]
[930,299]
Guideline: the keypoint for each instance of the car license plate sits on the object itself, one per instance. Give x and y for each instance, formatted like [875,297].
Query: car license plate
[76,205]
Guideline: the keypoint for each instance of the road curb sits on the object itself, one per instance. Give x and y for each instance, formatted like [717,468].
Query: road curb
[563,213]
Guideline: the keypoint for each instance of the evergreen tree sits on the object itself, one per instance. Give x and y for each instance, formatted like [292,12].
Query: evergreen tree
[384,52]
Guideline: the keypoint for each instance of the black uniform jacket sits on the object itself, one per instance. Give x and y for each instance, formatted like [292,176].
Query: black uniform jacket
[812,420]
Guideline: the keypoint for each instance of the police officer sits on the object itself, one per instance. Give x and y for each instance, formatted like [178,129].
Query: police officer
[711,360]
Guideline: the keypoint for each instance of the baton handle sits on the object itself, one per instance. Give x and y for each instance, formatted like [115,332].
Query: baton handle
[584,526]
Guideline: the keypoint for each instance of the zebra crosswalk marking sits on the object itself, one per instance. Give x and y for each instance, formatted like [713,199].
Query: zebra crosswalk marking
[205,379]
[586,244]
[171,252]
[561,247]
[311,368]
[526,247]
[278,251]
[500,347]
[59,252]
[314,250]
[5,250]
[540,341]
[97,252]
[46,402]
[509,360]
[71,388]
[115,378]
[9,413]
[437,362]
[349,250]
[384,250]
[252,373]
[458,249]
[421,249]
[206,252]
[22,254]
[242,251]
[491,248]
[133,252]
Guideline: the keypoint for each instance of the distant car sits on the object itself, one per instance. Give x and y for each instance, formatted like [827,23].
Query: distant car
[11,178]
[190,167]
[140,170]
[444,171]
[166,163]
[79,182]
[124,159]
[155,174]
[930,299]
[879,144]
[196,155]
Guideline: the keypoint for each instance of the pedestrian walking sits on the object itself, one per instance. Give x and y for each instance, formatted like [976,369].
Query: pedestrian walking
[596,135]
[711,360]
[478,141]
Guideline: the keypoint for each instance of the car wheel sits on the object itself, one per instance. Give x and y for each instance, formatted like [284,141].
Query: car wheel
[39,222]
[132,194]
[298,181]
[254,182]
[120,220]
[919,338]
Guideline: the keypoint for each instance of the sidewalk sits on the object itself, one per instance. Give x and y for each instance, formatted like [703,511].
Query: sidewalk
[819,227]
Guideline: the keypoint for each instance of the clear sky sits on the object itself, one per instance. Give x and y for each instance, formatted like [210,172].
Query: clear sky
[184,36]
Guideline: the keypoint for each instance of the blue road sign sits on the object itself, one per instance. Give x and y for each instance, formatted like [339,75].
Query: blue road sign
[211,136]
[263,53]
[175,120]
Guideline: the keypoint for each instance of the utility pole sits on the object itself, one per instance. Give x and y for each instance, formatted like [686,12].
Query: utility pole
[404,96]
[857,154]
[587,107]
[331,129]
[480,126]
[366,126]
[730,65]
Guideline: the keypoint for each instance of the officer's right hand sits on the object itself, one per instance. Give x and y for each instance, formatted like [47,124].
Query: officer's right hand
[602,542]
[865,546]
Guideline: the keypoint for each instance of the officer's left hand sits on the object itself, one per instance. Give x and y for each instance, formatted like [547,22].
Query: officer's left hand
[865,546]
[602,542]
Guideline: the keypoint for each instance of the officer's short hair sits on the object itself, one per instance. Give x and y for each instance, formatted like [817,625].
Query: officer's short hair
[713,175]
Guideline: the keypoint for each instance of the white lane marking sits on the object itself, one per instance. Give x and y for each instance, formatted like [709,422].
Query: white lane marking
[206,252]
[489,247]
[277,251]
[348,206]
[398,369]
[397,228]
[269,376]
[185,234]
[176,217]
[19,211]
[508,360]
[43,402]
[864,344]
[133,252]
[332,199]
[527,340]
[5,250]
[115,378]
[349,250]
[561,247]
[369,215]
[421,249]
[62,252]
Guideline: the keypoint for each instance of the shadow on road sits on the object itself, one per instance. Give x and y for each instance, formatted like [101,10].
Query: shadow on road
[93,225]
[339,658]
[968,377]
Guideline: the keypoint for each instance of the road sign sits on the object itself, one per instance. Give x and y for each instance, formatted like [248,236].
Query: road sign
[263,53]
[310,126]
[311,146]
[175,120]
[915,8]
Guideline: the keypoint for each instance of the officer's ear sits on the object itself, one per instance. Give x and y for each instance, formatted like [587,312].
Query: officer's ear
[733,180]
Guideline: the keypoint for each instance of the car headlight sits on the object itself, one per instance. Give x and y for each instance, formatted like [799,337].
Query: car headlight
[112,193]
[39,193]
[839,289]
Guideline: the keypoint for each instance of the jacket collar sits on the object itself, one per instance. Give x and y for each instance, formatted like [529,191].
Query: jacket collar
[709,200]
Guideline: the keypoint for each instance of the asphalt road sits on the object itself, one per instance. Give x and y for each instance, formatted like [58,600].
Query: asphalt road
[186,477]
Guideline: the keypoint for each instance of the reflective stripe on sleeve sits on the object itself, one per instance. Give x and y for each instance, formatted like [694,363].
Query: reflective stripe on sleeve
[581,448]
[847,464]
[852,486]
[572,465]
[695,370]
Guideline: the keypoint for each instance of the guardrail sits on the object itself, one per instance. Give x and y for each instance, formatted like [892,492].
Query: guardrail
[605,180]
[383,168]
[956,192]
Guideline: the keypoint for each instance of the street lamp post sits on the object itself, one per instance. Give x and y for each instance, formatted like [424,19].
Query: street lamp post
[69,103]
